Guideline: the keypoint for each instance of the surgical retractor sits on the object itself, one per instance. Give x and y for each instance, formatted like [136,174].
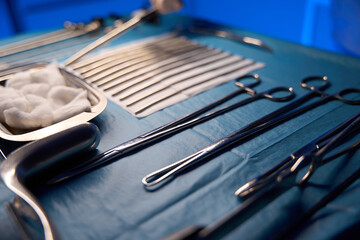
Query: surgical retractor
[33,161]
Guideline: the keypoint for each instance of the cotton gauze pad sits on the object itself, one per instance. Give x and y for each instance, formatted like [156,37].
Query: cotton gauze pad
[37,99]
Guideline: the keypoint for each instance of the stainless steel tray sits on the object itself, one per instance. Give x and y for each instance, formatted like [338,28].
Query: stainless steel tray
[97,99]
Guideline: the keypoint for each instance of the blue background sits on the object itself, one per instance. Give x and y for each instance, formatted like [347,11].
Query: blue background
[111,203]
[308,22]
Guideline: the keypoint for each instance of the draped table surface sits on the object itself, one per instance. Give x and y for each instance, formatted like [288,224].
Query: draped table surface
[111,202]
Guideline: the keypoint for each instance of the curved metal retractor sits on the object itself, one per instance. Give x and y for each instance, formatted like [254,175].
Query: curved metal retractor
[35,159]
[13,183]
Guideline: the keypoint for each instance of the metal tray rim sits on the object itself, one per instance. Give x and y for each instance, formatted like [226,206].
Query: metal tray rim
[96,109]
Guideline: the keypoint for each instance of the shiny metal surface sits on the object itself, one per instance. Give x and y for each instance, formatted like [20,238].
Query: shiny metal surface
[69,32]
[133,212]
[140,77]
[255,128]
[29,162]
[226,34]
[97,100]
[98,60]
[8,174]
[110,35]
[176,126]
[277,181]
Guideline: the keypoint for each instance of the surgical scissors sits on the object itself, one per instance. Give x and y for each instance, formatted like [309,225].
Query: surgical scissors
[284,179]
[254,129]
[182,123]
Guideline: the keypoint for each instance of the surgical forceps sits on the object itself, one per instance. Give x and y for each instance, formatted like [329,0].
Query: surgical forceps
[333,194]
[253,129]
[281,179]
[228,35]
[70,31]
[182,123]
[313,151]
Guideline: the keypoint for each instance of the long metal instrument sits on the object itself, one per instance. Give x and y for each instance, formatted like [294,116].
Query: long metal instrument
[121,67]
[128,55]
[36,159]
[50,38]
[158,69]
[60,50]
[225,71]
[175,126]
[208,68]
[254,129]
[280,182]
[131,80]
[111,35]
[118,51]
[210,57]
[226,34]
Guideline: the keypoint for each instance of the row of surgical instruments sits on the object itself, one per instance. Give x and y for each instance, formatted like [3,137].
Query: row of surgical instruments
[187,121]
[149,75]
[313,152]
[141,78]
[70,30]
[20,168]
[254,129]
[57,40]
[261,191]
[57,44]
[250,131]
[147,67]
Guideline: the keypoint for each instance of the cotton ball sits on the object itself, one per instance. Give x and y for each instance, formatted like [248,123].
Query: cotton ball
[43,115]
[19,80]
[22,120]
[41,109]
[50,74]
[62,95]
[39,116]
[9,93]
[19,119]
[22,104]
[78,105]
[35,99]
[68,102]
[39,89]
[19,103]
